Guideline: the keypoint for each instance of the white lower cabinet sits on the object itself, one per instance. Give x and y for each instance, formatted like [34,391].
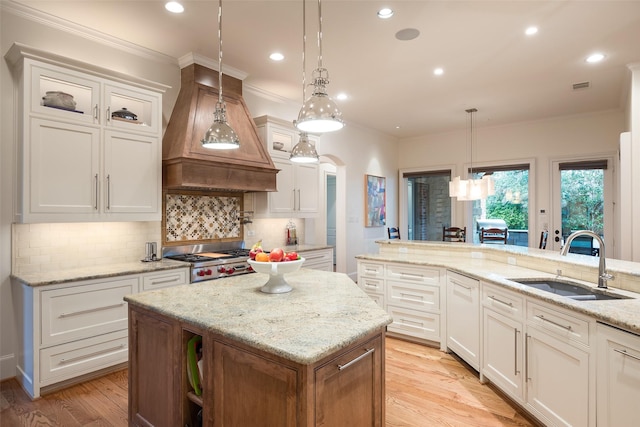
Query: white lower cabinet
[412,295]
[618,377]
[503,340]
[75,328]
[319,259]
[463,317]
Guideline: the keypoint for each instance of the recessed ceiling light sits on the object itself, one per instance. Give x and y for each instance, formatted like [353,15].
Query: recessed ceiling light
[531,30]
[342,96]
[438,71]
[385,13]
[276,56]
[595,57]
[174,7]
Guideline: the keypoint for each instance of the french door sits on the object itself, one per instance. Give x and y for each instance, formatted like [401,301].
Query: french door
[582,192]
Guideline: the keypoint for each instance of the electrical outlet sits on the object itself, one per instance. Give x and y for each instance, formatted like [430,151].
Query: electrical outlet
[250,233]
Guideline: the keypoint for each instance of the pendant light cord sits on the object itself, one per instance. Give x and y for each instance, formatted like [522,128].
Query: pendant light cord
[220,52]
[319,35]
[304,50]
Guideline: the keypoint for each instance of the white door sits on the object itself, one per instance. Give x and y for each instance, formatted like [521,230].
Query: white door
[63,168]
[582,191]
[132,173]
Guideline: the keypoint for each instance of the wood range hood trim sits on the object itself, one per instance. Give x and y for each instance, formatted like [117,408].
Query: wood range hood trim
[187,165]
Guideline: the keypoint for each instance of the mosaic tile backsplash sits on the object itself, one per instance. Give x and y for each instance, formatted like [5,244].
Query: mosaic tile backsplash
[190,217]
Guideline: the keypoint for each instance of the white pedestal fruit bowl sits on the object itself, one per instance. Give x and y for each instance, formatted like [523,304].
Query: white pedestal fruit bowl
[276,271]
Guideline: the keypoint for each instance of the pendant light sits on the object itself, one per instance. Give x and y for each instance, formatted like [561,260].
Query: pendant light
[303,151]
[319,113]
[220,136]
[471,189]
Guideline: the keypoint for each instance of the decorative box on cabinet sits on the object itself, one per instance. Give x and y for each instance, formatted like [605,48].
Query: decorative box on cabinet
[298,184]
[82,164]
[463,317]
[618,377]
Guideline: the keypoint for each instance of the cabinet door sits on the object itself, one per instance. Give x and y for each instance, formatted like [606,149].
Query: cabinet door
[144,104]
[618,377]
[61,168]
[349,388]
[463,318]
[502,359]
[307,188]
[252,391]
[47,81]
[131,174]
[282,201]
[557,380]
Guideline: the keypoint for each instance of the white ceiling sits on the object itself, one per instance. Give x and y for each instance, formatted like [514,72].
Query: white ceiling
[489,63]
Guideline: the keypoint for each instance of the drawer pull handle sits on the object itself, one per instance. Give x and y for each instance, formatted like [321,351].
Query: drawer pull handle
[160,282]
[417,276]
[411,323]
[76,313]
[500,301]
[624,353]
[86,356]
[515,352]
[461,285]
[357,359]
[568,328]
[411,297]
[371,271]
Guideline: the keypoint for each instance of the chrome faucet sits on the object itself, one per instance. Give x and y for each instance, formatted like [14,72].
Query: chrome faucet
[603,276]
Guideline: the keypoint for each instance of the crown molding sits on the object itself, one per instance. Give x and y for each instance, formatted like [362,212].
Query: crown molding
[87,33]
[196,58]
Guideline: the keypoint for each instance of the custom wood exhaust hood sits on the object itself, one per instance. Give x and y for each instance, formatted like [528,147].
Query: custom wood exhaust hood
[186,164]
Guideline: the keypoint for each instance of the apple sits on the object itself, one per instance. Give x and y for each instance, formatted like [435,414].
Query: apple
[254,251]
[276,255]
[291,256]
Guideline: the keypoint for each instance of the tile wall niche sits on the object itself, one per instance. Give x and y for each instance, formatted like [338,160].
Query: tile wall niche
[46,247]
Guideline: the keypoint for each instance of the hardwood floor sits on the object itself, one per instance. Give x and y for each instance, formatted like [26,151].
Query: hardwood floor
[425,388]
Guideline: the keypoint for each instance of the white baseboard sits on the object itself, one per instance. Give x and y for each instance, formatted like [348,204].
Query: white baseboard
[7,366]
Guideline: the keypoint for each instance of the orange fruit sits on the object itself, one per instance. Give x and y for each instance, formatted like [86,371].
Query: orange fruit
[262,257]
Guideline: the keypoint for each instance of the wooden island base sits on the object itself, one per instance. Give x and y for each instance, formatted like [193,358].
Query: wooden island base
[244,386]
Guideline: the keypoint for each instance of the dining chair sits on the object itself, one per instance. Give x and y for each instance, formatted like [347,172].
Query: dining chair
[454,234]
[493,235]
[393,232]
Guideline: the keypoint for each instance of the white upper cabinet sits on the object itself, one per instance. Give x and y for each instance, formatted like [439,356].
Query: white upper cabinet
[89,147]
[298,183]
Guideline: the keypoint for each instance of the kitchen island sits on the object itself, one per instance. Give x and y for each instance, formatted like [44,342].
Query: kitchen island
[313,356]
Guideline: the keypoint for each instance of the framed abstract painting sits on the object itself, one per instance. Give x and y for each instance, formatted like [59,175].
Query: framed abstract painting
[375,201]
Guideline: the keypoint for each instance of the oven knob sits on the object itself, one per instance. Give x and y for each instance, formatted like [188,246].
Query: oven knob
[249,268]
[221,269]
[200,273]
[208,272]
[231,270]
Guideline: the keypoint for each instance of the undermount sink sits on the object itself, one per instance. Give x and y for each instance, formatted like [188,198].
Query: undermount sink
[569,290]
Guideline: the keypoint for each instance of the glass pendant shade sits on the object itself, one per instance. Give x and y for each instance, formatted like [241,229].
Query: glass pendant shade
[304,151]
[319,113]
[220,136]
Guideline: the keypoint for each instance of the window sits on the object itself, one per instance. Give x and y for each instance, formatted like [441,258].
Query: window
[510,203]
[428,204]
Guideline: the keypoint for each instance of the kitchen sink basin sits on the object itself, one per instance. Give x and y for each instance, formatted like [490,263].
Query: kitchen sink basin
[569,290]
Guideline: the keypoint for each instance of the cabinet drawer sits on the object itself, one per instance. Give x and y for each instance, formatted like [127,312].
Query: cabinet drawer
[77,358]
[426,275]
[371,285]
[502,301]
[414,323]
[377,298]
[164,279]
[411,295]
[85,311]
[321,259]
[371,269]
[559,323]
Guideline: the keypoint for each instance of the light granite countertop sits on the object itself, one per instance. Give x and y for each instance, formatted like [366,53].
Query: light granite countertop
[324,312]
[97,272]
[624,313]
